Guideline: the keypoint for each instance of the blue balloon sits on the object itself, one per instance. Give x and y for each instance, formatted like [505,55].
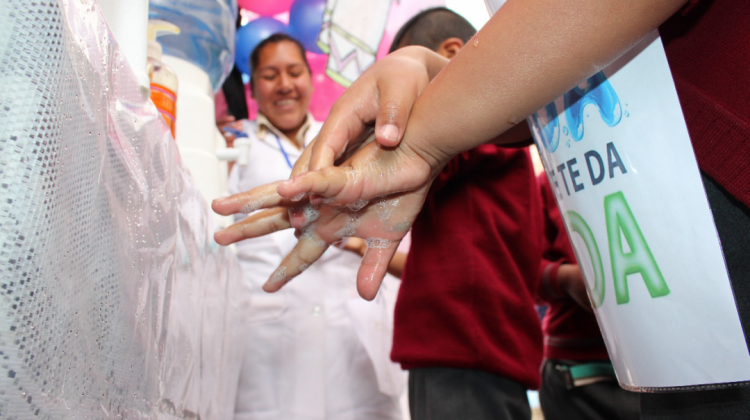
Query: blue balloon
[250,35]
[305,20]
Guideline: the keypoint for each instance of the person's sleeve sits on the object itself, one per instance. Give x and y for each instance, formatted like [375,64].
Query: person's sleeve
[556,246]
[685,10]
[549,286]
[465,162]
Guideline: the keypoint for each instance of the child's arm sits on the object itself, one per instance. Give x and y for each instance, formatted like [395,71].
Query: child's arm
[384,94]
[529,53]
[560,279]
[571,281]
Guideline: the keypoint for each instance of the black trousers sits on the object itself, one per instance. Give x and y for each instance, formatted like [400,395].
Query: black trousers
[598,401]
[465,394]
[733,224]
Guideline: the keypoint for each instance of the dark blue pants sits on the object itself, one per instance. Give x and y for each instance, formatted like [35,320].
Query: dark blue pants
[457,394]
[598,401]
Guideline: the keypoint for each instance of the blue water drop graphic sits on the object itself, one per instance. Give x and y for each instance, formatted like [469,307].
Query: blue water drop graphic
[598,92]
[546,126]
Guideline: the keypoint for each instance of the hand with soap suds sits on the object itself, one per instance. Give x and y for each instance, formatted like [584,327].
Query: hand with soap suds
[381,222]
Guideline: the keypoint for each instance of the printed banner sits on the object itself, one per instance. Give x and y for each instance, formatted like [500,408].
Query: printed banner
[617,151]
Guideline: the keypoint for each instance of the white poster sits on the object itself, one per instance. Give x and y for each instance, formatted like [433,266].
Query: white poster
[618,155]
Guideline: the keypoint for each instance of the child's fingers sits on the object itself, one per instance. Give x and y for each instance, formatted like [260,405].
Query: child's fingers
[397,96]
[255,225]
[327,183]
[258,198]
[309,248]
[334,138]
[374,266]
[346,122]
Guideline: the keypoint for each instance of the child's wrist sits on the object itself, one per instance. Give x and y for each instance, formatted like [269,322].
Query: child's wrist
[427,152]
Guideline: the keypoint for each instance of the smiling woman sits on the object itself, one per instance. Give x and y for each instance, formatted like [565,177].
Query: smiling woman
[281,83]
[312,351]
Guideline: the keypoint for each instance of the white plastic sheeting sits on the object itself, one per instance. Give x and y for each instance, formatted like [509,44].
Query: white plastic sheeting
[114,300]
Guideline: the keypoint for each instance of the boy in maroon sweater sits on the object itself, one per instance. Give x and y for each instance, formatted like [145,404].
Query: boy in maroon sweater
[578,380]
[465,323]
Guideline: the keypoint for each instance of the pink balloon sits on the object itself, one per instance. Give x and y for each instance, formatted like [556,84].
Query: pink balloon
[325,90]
[318,62]
[266,7]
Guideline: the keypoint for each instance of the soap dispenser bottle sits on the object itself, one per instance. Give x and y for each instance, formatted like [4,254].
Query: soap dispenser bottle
[163,78]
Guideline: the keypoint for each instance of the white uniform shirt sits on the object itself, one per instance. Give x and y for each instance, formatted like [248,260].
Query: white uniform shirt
[315,350]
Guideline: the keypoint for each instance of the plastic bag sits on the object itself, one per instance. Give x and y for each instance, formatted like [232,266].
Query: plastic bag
[114,299]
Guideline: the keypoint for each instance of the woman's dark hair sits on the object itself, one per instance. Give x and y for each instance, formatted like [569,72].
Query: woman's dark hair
[274,39]
[429,28]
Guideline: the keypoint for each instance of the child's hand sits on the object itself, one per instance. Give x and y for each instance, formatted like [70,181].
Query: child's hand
[574,285]
[374,171]
[352,209]
[384,94]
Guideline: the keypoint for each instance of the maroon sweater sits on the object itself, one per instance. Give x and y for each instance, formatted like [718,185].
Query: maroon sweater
[570,332]
[708,50]
[468,288]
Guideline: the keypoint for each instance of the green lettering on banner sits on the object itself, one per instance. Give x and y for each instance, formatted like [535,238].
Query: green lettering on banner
[639,260]
[578,225]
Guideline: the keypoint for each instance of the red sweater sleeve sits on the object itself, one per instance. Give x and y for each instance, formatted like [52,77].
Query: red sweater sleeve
[570,332]
[556,246]
[549,287]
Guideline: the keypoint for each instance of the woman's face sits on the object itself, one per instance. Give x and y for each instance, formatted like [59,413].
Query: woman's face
[282,85]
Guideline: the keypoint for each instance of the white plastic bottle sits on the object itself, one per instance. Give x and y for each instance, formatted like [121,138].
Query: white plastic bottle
[163,78]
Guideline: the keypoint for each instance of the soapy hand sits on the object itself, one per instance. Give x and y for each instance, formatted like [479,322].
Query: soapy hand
[574,285]
[353,206]
[375,194]
[381,222]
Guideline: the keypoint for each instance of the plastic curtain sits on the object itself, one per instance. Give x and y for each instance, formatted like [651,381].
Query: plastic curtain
[114,300]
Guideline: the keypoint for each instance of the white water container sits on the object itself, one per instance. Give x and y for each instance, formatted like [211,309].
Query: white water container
[196,131]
